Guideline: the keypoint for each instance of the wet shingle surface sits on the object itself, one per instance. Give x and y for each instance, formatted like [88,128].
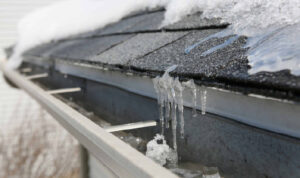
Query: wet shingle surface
[138,44]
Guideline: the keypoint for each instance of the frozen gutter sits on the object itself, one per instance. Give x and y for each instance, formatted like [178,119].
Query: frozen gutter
[120,158]
[280,116]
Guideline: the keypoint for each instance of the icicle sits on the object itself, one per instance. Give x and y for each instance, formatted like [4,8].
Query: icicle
[179,89]
[162,108]
[174,125]
[161,117]
[190,84]
[173,157]
[203,101]
[169,93]
[194,90]
[173,100]
[162,86]
[167,111]
[160,101]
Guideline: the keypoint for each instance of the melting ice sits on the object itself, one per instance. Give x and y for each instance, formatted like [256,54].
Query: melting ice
[272,27]
[252,18]
[277,49]
[169,92]
[170,100]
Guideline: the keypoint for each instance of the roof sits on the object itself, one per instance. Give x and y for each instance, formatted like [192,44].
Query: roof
[139,45]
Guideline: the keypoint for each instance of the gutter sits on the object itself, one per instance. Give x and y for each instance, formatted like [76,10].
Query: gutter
[119,157]
[275,115]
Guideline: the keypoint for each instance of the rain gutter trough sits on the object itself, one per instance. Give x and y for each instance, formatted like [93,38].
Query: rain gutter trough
[275,115]
[118,158]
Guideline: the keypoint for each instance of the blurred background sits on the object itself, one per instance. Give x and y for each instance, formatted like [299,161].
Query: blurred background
[11,11]
[32,144]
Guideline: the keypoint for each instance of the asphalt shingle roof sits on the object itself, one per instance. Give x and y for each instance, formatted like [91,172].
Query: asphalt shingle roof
[137,43]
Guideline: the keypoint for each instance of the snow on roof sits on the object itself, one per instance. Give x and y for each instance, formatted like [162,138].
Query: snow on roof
[271,26]
[137,44]
[70,17]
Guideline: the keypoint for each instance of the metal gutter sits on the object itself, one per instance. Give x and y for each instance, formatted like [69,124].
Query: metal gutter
[122,159]
[280,116]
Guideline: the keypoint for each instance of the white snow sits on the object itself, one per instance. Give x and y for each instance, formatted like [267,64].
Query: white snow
[276,50]
[260,20]
[159,151]
[247,17]
[71,17]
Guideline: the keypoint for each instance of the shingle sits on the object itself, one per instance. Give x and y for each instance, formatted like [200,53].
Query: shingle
[151,22]
[77,49]
[195,21]
[174,54]
[122,26]
[225,67]
[86,48]
[224,62]
[152,52]
[141,22]
[41,49]
[136,47]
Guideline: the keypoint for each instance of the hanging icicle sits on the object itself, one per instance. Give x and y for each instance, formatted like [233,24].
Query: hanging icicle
[170,100]
[203,100]
[191,85]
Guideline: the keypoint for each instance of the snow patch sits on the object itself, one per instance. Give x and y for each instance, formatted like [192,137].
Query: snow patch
[276,50]
[271,25]
[248,17]
[71,17]
[160,152]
